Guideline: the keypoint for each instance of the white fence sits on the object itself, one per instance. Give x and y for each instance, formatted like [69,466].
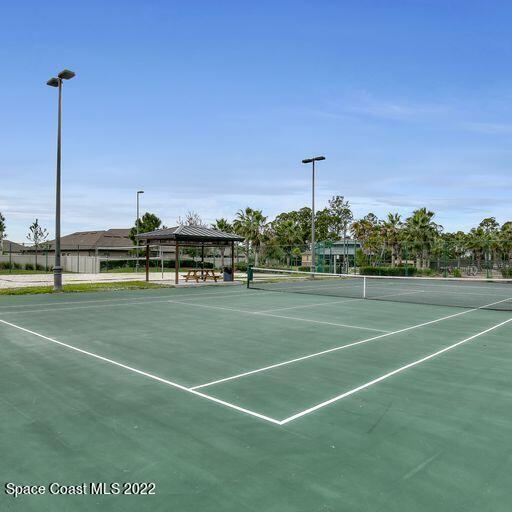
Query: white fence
[75,263]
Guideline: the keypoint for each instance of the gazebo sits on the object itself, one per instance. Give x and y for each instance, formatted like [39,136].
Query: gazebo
[189,236]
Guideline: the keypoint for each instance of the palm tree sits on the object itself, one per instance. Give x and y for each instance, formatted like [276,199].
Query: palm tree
[420,232]
[250,224]
[288,236]
[506,241]
[391,230]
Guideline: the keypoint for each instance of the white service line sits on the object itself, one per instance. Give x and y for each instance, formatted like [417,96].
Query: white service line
[351,299]
[261,313]
[102,304]
[377,297]
[390,374]
[145,374]
[340,347]
[320,322]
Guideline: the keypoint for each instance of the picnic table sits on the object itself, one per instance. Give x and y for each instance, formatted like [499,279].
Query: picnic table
[201,274]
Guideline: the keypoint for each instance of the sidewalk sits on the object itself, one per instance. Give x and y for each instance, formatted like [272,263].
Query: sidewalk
[21,280]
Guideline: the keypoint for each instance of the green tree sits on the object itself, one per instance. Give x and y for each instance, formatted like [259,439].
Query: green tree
[420,233]
[223,225]
[367,232]
[490,228]
[391,231]
[340,217]
[251,224]
[323,225]
[302,221]
[505,237]
[37,235]
[148,222]
[2,232]
[287,237]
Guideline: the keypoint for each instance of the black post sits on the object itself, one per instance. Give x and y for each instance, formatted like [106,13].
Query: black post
[57,269]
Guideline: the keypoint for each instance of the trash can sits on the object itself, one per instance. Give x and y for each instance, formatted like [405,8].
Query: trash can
[228,274]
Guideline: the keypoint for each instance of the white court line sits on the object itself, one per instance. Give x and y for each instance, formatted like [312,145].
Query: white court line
[320,322]
[184,295]
[145,374]
[350,299]
[139,302]
[390,374]
[340,347]
[377,297]
[260,313]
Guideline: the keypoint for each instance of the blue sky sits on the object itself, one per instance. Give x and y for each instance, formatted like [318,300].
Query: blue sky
[211,106]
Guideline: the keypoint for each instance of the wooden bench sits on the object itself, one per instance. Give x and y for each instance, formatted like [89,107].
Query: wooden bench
[202,274]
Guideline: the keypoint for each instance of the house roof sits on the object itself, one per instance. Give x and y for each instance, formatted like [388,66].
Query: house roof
[8,245]
[190,234]
[88,240]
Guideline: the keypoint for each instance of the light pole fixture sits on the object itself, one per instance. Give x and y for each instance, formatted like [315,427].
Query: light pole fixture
[312,161]
[57,268]
[139,192]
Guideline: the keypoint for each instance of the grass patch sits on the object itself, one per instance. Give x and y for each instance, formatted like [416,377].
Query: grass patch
[82,287]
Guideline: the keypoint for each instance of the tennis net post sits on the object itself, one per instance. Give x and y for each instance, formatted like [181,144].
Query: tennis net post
[249,275]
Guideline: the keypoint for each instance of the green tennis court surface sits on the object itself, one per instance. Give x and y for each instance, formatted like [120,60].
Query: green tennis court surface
[240,399]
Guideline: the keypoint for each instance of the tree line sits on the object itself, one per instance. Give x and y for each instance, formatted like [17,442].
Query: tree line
[392,239]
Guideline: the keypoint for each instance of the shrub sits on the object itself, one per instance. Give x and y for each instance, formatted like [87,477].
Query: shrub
[507,272]
[6,265]
[457,272]
[241,266]
[427,272]
[304,268]
[40,267]
[29,266]
[388,271]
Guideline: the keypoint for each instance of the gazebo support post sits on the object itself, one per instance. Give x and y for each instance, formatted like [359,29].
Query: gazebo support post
[233,260]
[202,255]
[177,264]
[147,262]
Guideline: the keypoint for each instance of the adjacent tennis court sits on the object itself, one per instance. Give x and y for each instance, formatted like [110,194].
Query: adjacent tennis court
[230,398]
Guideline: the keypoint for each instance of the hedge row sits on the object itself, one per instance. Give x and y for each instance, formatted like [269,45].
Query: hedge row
[388,271]
[5,265]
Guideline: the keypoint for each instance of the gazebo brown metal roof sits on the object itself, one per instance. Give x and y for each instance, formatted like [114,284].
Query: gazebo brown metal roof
[189,236]
[195,234]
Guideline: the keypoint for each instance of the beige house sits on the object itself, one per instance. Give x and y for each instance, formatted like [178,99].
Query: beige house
[108,242]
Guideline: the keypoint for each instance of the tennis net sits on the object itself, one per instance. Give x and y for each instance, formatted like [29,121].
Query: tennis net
[457,292]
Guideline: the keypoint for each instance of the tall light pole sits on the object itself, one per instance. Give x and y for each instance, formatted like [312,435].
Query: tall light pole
[139,192]
[57,268]
[312,161]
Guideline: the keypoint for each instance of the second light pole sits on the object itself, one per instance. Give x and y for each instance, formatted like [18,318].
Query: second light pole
[139,192]
[312,161]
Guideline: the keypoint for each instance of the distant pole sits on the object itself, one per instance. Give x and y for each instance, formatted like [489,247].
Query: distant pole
[312,161]
[57,268]
[137,227]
